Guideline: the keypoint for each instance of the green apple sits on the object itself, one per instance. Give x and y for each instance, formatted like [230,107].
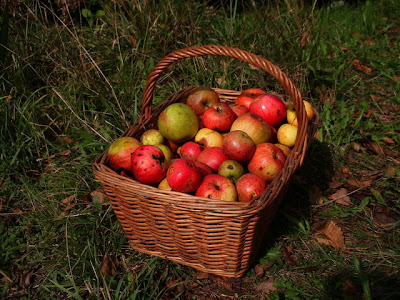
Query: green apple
[178,123]
[152,137]
[231,169]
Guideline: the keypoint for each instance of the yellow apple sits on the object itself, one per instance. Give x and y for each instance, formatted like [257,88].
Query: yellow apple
[209,138]
[286,150]
[163,185]
[291,113]
[152,137]
[286,134]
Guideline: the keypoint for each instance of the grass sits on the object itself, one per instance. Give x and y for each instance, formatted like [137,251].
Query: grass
[72,81]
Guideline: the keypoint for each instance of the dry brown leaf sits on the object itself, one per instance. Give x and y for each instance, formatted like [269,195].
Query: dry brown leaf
[334,184]
[396,78]
[66,139]
[304,39]
[69,199]
[378,149]
[383,218]
[331,235]
[358,66]
[360,183]
[357,147]
[345,49]
[368,42]
[376,98]
[357,34]
[266,286]
[62,153]
[341,197]
[388,140]
[99,197]
[109,265]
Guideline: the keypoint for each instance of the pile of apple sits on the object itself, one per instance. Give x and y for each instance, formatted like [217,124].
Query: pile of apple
[212,149]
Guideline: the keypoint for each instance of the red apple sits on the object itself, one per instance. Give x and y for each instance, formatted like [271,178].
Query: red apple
[213,157]
[183,176]
[202,98]
[254,126]
[178,123]
[203,168]
[239,146]
[120,151]
[273,138]
[174,146]
[219,117]
[249,186]
[247,96]
[267,161]
[269,107]
[217,187]
[148,164]
[239,109]
[190,150]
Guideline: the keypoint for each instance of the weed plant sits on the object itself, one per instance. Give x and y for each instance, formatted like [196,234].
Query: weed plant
[72,75]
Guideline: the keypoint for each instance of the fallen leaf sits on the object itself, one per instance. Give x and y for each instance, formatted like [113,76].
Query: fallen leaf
[304,39]
[99,197]
[202,275]
[341,197]
[334,184]
[109,265]
[376,98]
[368,42]
[331,235]
[360,183]
[357,147]
[223,281]
[383,218]
[345,49]
[69,199]
[396,78]
[287,254]
[266,286]
[378,149]
[62,153]
[358,66]
[260,270]
[357,34]
[68,140]
[388,140]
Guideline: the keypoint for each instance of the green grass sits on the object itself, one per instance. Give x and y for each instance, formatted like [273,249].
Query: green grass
[71,82]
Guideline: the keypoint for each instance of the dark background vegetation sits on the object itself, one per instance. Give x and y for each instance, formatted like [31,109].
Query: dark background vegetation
[72,75]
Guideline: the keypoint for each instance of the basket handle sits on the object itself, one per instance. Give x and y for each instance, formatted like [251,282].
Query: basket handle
[252,59]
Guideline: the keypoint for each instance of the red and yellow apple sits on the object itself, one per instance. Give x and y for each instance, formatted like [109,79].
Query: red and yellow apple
[202,98]
[213,157]
[120,151]
[254,126]
[247,96]
[219,117]
[209,138]
[238,145]
[249,186]
[267,162]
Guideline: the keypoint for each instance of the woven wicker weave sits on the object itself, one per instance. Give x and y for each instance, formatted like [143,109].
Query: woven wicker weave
[209,235]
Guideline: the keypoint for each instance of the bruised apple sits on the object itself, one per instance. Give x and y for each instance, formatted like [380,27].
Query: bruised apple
[148,164]
[231,169]
[120,151]
[267,161]
[209,138]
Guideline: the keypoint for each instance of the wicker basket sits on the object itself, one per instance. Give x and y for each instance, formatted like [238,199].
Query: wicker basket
[209,235]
